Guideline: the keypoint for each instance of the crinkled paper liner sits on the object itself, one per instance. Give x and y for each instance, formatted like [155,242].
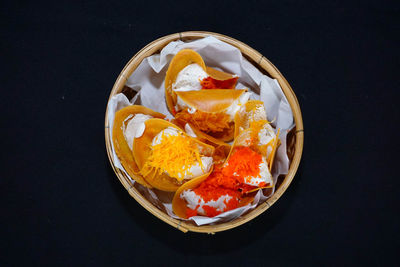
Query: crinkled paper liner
[148,81]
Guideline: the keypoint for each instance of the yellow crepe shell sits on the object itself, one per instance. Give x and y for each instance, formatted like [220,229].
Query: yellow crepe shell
[218,75]
[122,149]
[142,151]
[210,100]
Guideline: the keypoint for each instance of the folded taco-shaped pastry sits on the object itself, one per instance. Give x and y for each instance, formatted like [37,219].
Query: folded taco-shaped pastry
[167,157]
[253,116]
[231,185]
[188,72]
[129,124]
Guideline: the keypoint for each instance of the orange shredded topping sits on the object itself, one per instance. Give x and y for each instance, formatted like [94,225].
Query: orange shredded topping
[211,83]
[175,155]
[229,179]
[205,122]
[243,162]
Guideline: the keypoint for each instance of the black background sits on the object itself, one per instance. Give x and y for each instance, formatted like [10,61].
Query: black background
[63,204]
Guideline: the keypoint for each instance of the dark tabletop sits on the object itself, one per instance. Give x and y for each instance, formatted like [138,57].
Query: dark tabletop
[62,202]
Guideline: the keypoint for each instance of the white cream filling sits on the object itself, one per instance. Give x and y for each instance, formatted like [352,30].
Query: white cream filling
[170,131]
[134,128]
[266,134]
[189,78]
[256,114]
[235,106]
[196,169]
[264,175]
[193,200]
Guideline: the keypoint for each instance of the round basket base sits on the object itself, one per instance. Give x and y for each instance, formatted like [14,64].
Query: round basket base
[295,138]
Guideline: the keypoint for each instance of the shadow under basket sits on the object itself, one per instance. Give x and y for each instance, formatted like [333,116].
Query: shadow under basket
[295,137]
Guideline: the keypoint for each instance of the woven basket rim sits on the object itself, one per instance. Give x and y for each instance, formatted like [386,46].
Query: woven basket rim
[263,63]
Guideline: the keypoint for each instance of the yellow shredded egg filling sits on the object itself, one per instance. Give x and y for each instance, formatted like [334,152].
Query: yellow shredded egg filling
[175,155]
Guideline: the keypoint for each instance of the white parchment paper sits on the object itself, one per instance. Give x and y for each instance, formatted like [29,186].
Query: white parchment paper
[148,81]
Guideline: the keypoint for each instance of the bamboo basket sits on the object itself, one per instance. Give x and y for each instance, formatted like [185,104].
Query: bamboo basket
[294,142]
